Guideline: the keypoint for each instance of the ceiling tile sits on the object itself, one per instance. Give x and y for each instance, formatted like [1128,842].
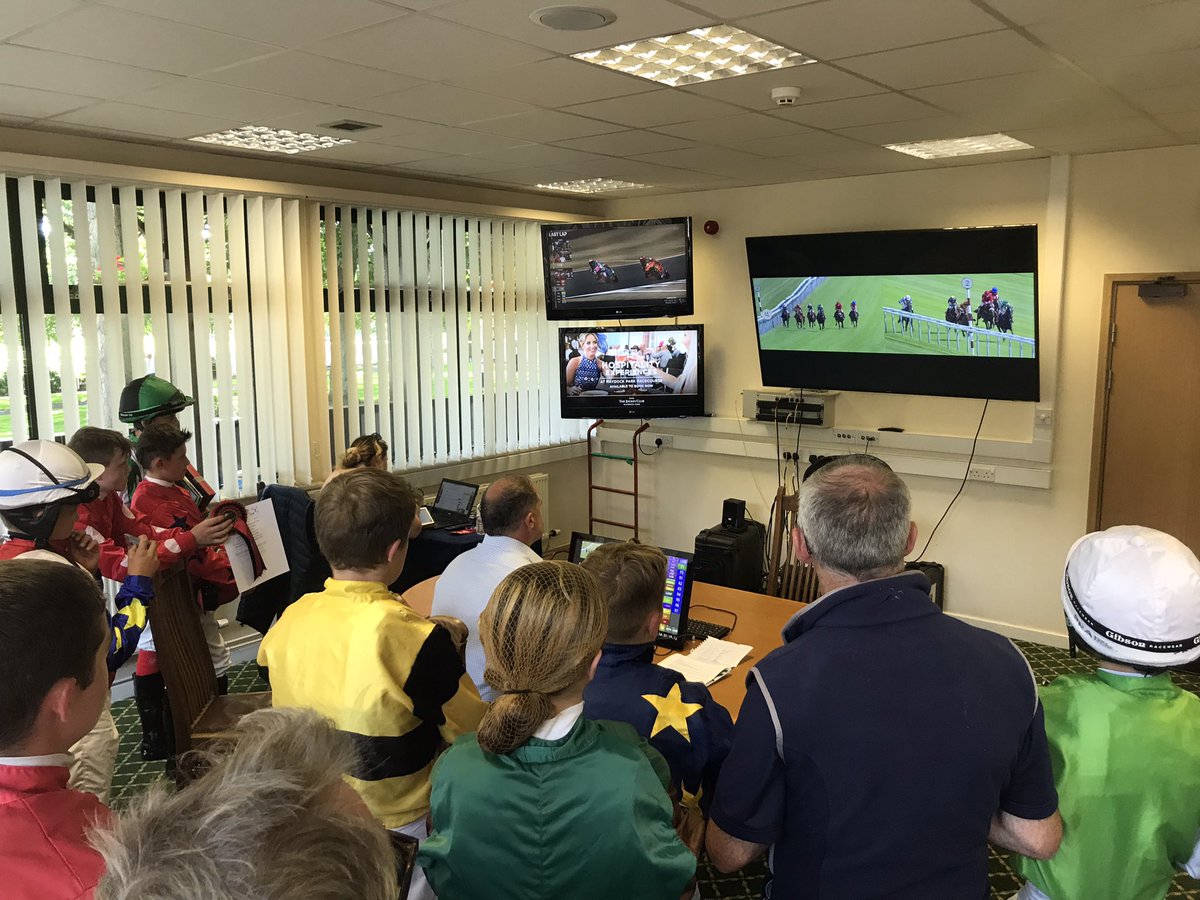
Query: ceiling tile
[958,59]
[1027,100]
[556,83]
[818,83]
[1028,12]
[427,48]
[1182,98]
[74,74]
[284,23]
[857,111]
[626,143]
[1182,124]
[711,160]
[117,35]
[366,153]
[1086,138]
[1132,32]
[296,74]
[450,141]
[662,106]
[734,129]
[1150,70]
[131,119]
[545,125]
[863,161]
[316,117]
[539,154]
[34,104]
[444,104]
[730,10]
[797,144]
[22,14]
[206,98]
[454,165]
[913,130]
[636,19]
[834,30]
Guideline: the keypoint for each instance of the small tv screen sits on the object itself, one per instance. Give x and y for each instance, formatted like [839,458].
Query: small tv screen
[941,312]
[618,270]
[639,373]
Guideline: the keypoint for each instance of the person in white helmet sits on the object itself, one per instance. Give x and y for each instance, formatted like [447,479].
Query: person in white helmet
[1125,740]
[42,484]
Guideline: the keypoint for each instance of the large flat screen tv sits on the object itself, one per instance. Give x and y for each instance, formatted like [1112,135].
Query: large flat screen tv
[949,312]
[618,270]
[643,373]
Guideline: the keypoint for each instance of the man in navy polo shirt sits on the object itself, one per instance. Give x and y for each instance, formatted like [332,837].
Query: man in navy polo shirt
[884,744]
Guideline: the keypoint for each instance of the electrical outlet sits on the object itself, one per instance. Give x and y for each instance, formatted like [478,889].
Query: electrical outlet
[664,440]
[854,436]
[979,472]
[1043,416]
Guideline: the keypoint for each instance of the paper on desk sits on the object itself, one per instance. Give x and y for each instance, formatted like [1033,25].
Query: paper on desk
[260,518]
[725,654]
[694,669]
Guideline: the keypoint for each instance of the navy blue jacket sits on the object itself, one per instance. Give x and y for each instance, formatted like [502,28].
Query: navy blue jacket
[679,718]
[873,749]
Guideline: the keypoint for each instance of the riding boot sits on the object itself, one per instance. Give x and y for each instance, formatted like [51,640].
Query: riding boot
[151,699]
[223,684]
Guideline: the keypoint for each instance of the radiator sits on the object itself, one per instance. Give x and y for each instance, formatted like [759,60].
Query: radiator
[541,484]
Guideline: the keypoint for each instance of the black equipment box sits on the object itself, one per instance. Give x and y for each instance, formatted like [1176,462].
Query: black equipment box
[731,558]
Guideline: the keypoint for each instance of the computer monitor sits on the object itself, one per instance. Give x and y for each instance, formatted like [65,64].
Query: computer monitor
[677,589]
[455,496]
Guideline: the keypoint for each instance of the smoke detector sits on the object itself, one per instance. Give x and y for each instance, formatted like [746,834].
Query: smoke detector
[572,18]
[785,96]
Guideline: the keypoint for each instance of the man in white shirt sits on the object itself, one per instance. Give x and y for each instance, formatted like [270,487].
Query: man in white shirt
[512,521]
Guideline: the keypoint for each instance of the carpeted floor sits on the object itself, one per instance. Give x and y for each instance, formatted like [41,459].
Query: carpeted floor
[133,776]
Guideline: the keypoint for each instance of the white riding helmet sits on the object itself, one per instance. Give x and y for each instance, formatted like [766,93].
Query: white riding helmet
[37,477]
[1132,594]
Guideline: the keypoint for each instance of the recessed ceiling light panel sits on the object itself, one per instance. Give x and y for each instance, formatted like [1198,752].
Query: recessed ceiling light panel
[964,146]
[593,185]
[271,140]
[572,18]
[696,56]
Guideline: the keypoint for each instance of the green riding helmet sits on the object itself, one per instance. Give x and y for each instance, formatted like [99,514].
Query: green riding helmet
[150,396]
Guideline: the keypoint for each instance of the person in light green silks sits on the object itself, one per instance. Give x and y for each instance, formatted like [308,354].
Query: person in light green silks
[1125,740]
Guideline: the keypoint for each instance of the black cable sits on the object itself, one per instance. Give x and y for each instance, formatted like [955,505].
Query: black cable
[646,452]
[966,475]
[728,612]
[778,449]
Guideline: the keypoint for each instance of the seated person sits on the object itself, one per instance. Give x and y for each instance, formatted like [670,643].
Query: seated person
[273,818]
[159,496]
[54,641]
[366,450]
[542,803]
[358,654]
[679,718]
[585,372]
[42,486]
[512,522]
[112,524]
[1125,740]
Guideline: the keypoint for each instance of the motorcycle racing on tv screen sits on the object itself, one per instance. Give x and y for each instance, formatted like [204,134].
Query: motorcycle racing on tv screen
[630,269]
[632,373]
[950,313]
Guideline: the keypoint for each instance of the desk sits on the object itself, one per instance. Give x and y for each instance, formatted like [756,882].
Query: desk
[760,624]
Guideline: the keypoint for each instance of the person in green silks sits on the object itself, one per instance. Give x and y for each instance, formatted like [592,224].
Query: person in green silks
[541,803]
[1125,740]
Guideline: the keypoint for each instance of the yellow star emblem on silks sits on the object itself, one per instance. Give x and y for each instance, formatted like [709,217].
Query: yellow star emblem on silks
[671,712]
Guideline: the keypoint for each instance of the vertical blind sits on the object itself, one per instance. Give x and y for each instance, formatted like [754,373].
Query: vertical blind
[296,325]
[103,283]
[435,335]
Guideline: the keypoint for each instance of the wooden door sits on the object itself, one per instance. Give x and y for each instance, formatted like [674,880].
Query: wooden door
[1146,462]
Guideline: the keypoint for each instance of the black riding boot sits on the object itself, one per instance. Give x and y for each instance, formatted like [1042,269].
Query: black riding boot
[222,685]
[150,696]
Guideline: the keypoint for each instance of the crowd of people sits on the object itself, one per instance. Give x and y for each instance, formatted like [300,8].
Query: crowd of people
[877,752]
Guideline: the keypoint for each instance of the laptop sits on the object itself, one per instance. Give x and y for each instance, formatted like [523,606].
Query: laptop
[453,504]
[677,590]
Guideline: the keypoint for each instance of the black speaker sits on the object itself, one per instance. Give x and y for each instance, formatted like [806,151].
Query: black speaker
[730,558]
[733,515]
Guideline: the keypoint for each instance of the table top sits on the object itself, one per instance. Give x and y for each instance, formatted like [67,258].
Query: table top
[760,621]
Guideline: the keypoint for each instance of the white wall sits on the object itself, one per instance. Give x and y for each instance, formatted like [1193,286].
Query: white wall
[1003,546]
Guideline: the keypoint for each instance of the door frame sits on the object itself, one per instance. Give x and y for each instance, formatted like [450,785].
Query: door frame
[1103,362]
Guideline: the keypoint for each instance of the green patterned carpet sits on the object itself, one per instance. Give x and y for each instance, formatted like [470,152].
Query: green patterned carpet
[133,776]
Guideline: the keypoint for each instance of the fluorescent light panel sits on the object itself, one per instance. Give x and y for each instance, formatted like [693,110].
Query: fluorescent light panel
[696,56]
[592,185]
[271,140]
[964,146]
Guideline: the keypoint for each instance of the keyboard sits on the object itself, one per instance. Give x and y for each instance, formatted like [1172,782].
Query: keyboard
[698,629]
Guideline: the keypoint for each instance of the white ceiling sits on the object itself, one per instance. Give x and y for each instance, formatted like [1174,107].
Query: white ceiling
[473,91]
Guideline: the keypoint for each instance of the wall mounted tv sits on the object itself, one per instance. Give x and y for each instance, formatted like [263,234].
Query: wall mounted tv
[950,312]
[632,373]
[618,270]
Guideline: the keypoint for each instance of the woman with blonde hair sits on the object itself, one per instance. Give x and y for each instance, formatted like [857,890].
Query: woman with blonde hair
[368,450]
[562,779]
